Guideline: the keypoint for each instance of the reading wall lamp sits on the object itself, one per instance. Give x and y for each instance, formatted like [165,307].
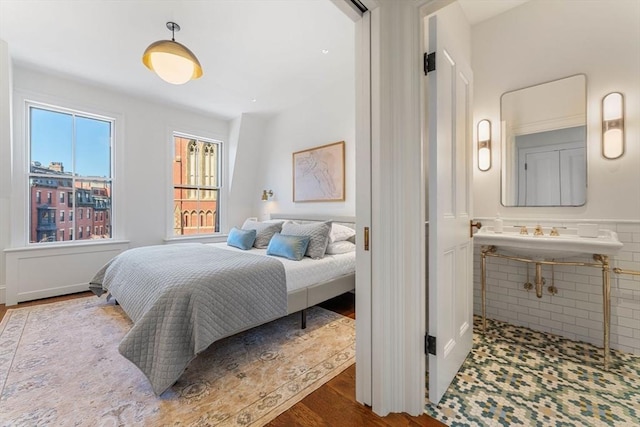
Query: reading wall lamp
[484,145]
[266,195]
[613,125]
[171,61]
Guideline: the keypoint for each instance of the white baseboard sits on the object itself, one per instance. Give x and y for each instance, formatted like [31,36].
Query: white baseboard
[53,292]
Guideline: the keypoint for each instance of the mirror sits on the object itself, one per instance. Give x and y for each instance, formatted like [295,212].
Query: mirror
[544,144]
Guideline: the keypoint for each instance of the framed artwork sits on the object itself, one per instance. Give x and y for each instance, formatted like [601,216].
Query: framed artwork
[318,174]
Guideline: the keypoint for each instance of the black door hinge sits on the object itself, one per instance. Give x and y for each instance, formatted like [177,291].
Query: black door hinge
[430,345]
[429,62]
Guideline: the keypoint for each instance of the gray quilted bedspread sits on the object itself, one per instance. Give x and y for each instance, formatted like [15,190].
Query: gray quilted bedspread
[183,297]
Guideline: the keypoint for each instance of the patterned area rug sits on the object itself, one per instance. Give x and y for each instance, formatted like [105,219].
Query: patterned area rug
[59,365]
[518,377]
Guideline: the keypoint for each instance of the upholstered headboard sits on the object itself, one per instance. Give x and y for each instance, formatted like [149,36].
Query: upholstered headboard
[349,221]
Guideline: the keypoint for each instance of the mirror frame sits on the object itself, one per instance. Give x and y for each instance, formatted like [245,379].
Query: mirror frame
[503,144]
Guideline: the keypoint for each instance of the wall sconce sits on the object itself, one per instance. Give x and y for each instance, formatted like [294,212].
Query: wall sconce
[613,125]
[266,195]
[484,145]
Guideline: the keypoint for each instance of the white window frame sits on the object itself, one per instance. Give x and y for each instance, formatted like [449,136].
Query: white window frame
[178,131]
[20,211]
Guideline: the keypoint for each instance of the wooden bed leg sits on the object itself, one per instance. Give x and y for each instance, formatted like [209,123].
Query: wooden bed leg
[303,319]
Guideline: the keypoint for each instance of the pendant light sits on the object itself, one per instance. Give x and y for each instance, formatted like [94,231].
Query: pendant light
[171,61]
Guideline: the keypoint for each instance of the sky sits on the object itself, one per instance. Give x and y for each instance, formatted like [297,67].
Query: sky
[52,141]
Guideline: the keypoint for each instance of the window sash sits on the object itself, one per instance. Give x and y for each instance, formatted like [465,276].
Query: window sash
[74,201]
[197,185]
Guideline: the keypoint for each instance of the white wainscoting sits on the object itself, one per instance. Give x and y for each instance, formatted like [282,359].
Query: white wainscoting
[42,272]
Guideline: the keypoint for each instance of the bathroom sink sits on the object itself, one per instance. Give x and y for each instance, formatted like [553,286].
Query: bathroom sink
[567,244]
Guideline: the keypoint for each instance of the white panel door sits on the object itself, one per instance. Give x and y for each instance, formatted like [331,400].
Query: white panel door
[450,273]
[573,170]
[541,178]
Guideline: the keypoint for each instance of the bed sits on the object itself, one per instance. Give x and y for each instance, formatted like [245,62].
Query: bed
[183,297]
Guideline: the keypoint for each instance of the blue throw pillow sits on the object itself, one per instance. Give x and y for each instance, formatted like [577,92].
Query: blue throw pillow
[241,239]
[290,247]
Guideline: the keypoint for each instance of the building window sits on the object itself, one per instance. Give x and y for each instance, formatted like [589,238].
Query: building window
[196,185]
[70,152]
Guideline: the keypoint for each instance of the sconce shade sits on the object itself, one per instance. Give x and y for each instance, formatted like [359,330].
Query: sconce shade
[613,126]
[172,61]
[484,145]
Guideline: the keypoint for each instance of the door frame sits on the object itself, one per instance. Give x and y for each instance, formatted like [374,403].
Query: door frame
[391,281]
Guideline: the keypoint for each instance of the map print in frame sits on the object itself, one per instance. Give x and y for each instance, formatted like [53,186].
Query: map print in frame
[318,174]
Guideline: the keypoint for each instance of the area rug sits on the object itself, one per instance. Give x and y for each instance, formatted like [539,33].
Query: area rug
[515,376]
[59,365]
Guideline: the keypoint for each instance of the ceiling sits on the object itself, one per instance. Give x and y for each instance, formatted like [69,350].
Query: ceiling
[258,56]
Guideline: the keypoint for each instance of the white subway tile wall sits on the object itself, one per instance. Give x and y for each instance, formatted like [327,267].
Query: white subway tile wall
[575,312]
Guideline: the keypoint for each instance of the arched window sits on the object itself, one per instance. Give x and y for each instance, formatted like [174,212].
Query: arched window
[209,219]
[185,220]
[201,219]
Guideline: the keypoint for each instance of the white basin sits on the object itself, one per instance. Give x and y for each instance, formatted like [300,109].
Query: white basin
[567,244]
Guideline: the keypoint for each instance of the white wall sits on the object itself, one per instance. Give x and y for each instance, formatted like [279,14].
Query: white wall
[142,196]
[246,148]
[323,119]
[257,151]
[6,126]
[542,41]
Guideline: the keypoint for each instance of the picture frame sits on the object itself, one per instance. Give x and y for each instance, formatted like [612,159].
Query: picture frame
[318,174]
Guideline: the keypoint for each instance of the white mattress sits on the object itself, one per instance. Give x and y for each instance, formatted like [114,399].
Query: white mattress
[307,271]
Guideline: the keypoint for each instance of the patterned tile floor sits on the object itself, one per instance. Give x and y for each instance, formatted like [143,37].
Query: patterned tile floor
[515,376]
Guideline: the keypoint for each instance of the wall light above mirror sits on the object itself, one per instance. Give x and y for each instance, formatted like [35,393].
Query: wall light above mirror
[544,144]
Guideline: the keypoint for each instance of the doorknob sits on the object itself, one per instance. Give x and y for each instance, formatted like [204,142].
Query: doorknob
[472,224]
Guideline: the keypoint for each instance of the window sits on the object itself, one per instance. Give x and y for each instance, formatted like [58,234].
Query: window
[70,152]
[196,185]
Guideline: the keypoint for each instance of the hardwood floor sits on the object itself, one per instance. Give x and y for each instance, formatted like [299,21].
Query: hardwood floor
[333,404]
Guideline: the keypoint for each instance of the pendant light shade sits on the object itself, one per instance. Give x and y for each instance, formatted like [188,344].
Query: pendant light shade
[172,61]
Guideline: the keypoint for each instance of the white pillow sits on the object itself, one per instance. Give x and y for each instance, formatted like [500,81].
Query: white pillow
[340,233]
[341,247]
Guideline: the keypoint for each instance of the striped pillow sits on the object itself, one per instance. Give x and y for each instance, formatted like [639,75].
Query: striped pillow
[318,233]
